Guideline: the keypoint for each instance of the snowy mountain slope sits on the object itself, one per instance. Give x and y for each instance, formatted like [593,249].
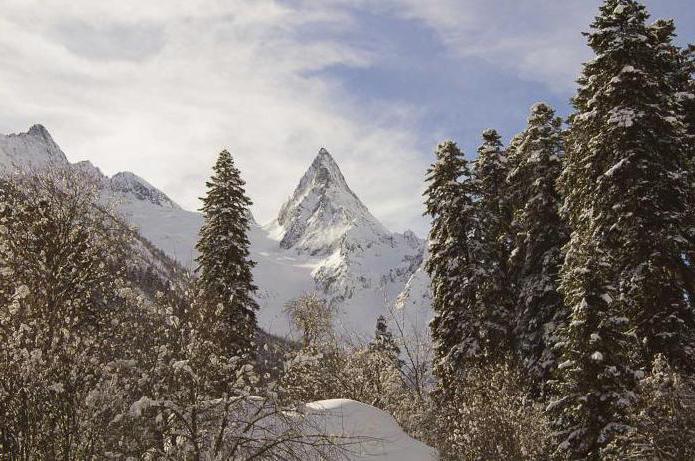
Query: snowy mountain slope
[324,238]
[415,301]
[36,149]
[150,211]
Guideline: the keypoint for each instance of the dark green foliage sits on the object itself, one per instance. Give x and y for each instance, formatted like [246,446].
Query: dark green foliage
[224,266]
[384,343]
[626,184]
[539,235]
[493,303]
[449,201]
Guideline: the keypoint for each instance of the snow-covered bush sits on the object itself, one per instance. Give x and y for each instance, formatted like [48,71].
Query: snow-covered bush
[373,373]
[663,419]
[313,317]
[61,273]
[491,418]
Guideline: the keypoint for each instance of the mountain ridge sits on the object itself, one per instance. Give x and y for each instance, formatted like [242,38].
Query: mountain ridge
[324,239]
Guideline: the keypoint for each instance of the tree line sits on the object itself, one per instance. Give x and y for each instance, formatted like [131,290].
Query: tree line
[567,258]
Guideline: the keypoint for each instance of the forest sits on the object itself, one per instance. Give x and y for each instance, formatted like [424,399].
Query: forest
[563,297]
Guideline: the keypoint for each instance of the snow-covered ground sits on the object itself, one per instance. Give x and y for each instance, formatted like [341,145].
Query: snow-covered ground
[378,435]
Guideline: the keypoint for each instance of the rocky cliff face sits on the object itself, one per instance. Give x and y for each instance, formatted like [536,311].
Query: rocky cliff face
[322,210]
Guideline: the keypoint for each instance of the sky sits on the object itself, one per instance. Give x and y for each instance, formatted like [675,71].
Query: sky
[160,87]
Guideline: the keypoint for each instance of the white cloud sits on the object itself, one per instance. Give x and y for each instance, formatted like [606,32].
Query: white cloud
[538,40]
[160,87]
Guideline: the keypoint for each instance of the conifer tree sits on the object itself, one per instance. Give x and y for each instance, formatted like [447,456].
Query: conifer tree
[626,186]
[384,343]
[492,237]
[681,64]
[515,198]
[224,266]
[449,201]
[539,235]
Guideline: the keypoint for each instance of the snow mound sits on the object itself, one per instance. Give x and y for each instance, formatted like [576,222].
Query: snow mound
[377,435]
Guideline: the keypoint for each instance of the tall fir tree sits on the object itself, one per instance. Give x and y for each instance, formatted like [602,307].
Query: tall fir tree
[224,267]
[625,184]
[449,202]
[493,244]
[515,198]
[456,326]
[539,235]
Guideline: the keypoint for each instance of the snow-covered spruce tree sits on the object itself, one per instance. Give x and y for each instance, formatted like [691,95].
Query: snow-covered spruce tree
[384,342]
[453,268]
[539,235]
[224,266]
[493,243]
[449,202]
[678,68]
[687,105]
[683,61]
[687,97]
[625,184]
[515,199]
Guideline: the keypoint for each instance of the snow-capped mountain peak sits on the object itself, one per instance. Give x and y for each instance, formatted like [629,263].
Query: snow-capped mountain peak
[41,131]
[35,148]
[129,183]
[322,209]
[325,171]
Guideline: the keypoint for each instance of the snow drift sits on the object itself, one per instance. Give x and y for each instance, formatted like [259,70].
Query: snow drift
[375,433]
